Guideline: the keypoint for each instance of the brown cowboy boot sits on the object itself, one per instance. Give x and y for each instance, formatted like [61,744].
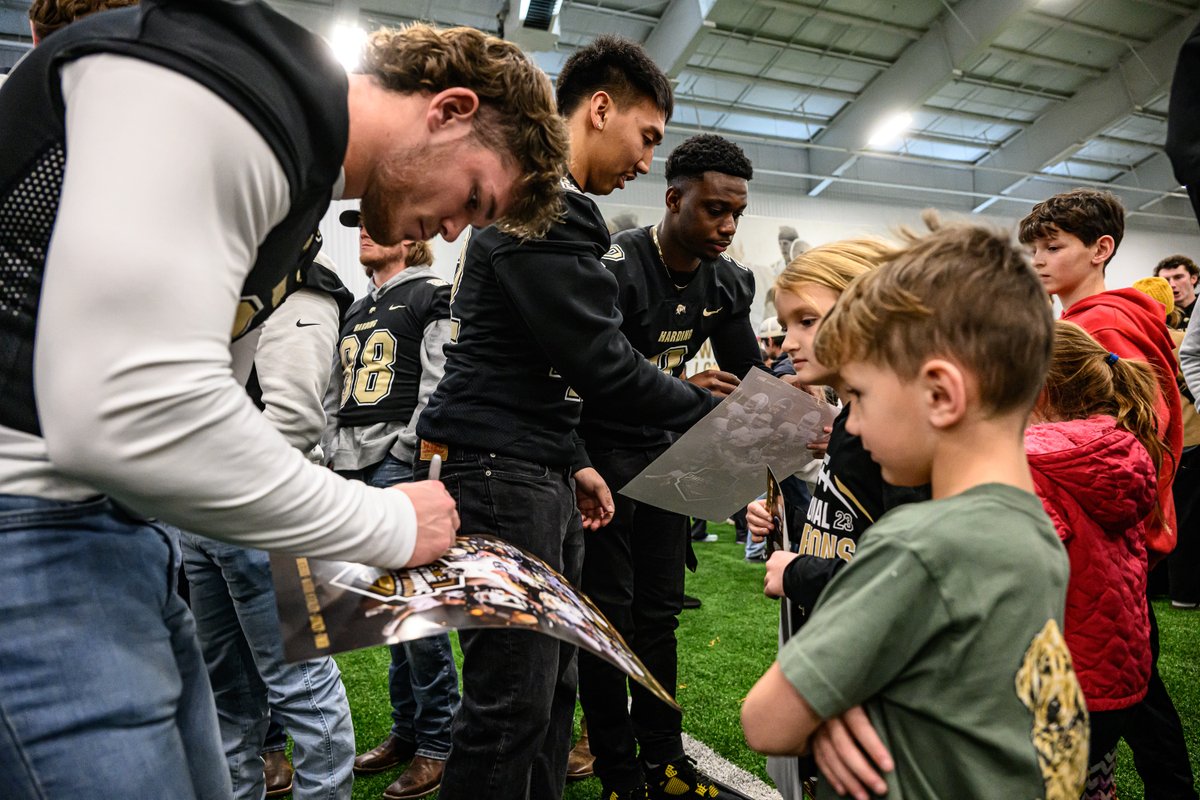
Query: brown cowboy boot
[579,762]
[387,754]
[277,771]
[423,776]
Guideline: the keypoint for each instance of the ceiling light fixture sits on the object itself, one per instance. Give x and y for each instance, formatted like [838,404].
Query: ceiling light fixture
[890,129]
[347,43]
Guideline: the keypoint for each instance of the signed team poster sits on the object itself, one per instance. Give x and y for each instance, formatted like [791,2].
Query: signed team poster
[327,607]
[718,466]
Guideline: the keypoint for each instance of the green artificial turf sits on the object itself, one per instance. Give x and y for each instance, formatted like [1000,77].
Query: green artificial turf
[1179,665]
[725,646]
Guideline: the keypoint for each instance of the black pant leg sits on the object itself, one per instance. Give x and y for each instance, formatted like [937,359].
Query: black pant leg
[1183,565]
[633,571]
[1155,735]
[509,677]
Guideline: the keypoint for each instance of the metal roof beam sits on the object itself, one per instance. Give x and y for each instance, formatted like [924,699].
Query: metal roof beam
[989,119]
[773,83]
[612,12]
[1136,80]
[1011,86]
[799,47]
[769,114]
[678,34]
[853,20]
[1155,172]
[923,68]
[1087,30]
[1047,61]
[1179,9]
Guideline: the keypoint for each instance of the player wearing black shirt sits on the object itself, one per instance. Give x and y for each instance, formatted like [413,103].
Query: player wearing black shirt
[535,330]
[677,289]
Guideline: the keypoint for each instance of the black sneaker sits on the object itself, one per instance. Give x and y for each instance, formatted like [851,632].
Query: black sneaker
[681,779]
[638,793]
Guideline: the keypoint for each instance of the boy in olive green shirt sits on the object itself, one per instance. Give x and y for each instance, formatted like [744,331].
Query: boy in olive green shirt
[946,627]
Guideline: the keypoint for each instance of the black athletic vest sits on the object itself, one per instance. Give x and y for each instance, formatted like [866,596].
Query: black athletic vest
[380,351]
[319,278]
[278,76]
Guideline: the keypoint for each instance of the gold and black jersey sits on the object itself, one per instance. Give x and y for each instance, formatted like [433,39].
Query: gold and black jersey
[380,350]
[668,325]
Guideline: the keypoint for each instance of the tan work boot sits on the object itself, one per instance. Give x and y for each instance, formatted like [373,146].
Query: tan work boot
[579,762]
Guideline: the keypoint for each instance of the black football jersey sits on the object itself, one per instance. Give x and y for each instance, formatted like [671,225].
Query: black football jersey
[380,350]
[668,325]
[536,330]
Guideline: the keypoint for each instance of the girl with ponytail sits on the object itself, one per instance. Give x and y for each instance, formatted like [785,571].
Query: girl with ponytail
[1095,455]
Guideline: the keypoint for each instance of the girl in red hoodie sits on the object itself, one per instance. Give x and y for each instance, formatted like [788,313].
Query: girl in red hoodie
[1094,451]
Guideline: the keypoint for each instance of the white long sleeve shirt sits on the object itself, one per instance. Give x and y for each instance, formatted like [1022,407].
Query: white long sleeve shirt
[168,193]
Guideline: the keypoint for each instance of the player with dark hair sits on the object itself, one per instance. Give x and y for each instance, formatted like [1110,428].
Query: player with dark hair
[695,158]
[535,332]
[618,67]
[677,289]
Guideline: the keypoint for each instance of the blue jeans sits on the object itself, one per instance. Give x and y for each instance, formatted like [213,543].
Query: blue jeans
[422,678]
[238,625]
[512,734]
[103,691]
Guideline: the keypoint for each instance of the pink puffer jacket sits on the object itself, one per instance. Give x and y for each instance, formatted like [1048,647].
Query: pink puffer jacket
[1098,484]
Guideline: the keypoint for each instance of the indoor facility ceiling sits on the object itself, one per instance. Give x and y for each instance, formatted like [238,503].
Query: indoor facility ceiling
[992,104]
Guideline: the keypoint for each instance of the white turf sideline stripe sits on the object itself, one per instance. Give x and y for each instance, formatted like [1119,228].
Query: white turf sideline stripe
[717,767]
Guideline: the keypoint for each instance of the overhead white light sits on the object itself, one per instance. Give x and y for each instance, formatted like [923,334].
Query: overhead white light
[347,43]
[890,129]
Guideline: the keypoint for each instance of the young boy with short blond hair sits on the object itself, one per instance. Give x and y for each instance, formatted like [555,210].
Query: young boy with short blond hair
[946,627]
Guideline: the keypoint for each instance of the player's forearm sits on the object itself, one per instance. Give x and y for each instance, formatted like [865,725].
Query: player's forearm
[201,456]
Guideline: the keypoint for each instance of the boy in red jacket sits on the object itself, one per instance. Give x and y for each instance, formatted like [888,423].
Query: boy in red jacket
[1072,237]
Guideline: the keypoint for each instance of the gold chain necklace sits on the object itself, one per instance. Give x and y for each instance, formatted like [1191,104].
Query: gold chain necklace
[662,259]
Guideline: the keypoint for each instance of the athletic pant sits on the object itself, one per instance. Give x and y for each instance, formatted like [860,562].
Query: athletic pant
[633,571]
